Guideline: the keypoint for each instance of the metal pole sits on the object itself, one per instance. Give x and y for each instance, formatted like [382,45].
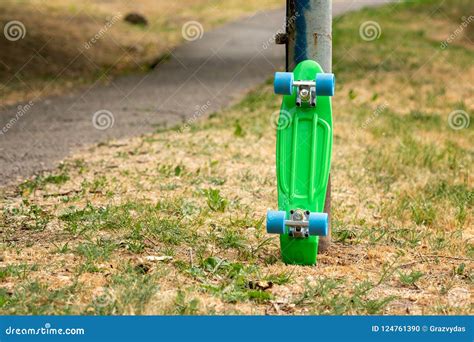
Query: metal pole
[309,36]
[309,32]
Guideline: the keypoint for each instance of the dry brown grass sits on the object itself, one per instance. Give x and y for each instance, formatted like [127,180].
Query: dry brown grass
[51,59]
[80,240]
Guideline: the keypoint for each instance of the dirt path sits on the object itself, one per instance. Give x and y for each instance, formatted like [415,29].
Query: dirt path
[201,77]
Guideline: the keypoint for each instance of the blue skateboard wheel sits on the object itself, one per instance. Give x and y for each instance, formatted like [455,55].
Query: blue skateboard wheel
[318,224]
[325,84]
[276,222]
[283,83]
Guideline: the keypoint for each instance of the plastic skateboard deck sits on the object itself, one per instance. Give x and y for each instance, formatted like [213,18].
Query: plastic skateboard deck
[303,159]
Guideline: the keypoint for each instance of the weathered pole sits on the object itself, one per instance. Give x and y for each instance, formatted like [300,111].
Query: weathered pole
[309,36]
[309,32]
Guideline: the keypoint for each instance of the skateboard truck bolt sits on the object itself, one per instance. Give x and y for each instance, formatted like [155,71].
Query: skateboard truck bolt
[306,92]
[298,223]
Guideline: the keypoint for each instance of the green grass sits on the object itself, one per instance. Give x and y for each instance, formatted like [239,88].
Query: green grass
[409,279]
[40,182]
[35,298]
[184,232]
[214,200]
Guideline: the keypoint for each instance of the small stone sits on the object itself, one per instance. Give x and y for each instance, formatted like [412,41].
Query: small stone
[136,19]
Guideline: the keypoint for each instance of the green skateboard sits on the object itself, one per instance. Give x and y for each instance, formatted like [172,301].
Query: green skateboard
[303,159]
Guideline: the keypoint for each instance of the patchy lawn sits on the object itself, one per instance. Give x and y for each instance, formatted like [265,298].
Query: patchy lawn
[68,43]
[173,222]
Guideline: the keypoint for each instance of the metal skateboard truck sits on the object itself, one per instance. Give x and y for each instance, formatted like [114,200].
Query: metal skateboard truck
[302,223]
[307,91]
[304,146]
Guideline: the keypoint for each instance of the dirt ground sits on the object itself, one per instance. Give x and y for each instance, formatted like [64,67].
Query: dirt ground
[173,222]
